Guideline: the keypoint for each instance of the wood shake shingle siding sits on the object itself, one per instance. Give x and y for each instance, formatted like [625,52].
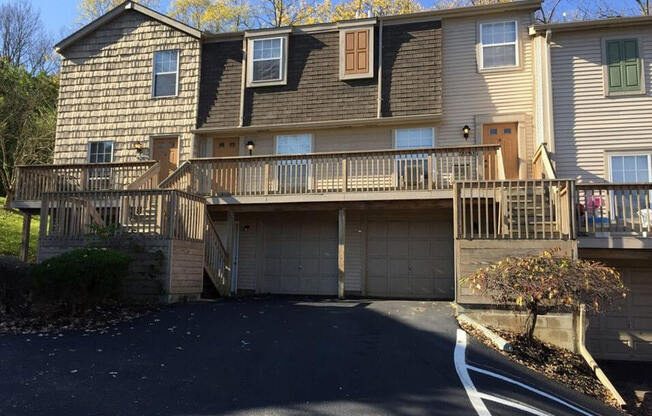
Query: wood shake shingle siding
[587,123]
[412,71]
[106,89]
[314,91]
[221,73]
[470,94]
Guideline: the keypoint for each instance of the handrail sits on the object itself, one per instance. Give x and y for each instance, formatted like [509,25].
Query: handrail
[142,214]
[541,164]
[95,165]
[514,209]
[393,170]
[441,149]
[500,165]
[33,180]
[167,182]
[607,209]
[148,179]
[216,259]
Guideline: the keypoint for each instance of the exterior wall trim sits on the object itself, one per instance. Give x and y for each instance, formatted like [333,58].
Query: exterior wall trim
[383,121]
[117,11]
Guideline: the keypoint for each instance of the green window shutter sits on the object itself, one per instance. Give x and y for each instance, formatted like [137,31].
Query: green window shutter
[623,65]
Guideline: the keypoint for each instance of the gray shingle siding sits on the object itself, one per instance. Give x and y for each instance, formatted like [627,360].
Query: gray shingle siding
[412,69]
[313,91]
[412,78]
[219,95]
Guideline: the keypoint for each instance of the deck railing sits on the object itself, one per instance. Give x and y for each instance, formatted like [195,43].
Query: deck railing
[216,260]
[33,181]
[319,173]
[542,165]
[610,209]
[144,214]
[517,209]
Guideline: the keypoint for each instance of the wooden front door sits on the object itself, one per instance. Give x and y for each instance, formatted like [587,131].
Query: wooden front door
[166,152]
[506,135]
[226,180]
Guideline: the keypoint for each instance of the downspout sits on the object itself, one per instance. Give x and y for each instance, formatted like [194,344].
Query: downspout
[581,338]
[379,99]
[243,80]
[548,99]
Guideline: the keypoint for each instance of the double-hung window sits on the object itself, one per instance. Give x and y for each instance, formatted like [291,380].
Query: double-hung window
[267,64]
[412,168]
[293,173]
[623,67]
[630,168]
[498,45]
[99,177]
[166,73]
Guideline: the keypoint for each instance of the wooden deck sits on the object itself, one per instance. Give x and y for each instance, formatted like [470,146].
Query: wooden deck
[33,181]
[345,176]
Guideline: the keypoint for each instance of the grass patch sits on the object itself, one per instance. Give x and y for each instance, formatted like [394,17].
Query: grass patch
[11,227]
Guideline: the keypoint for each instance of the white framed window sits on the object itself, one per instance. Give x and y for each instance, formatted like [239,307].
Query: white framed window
[100,152]
[414,138]
[498,45]
[412,168]
[293,175]
[627,168]
[166,74]
[631,168]
[267,61]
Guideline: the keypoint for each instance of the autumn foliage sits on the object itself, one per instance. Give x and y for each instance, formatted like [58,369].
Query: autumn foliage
[548,281]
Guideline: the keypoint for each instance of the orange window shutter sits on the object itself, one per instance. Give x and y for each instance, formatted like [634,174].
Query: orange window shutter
[362,51]
[349,52]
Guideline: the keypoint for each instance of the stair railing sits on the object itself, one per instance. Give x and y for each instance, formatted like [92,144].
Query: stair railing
[216,259]
[148,180]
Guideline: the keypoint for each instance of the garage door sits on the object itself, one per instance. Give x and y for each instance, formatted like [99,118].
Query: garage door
[410,258]
[627,333]
[300,254]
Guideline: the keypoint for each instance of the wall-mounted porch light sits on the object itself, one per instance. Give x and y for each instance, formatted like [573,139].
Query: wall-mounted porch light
[138,146]
[466,130]
[250,147]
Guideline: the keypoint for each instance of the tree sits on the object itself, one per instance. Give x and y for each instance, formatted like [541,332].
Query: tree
[213,15]
[92,9]
[27,121]
[548,281]
[644,6]
[24,41]
[277,13]
[351,9]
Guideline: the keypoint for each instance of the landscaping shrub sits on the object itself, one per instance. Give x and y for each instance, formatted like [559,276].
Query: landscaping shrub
[547,281]
[81,278]
[14,285]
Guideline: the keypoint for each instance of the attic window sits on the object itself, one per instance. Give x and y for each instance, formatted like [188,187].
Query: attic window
[356,53]
[267,61]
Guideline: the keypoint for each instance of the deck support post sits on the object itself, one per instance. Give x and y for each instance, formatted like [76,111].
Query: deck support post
[228,247]
[341,251]
[24,245]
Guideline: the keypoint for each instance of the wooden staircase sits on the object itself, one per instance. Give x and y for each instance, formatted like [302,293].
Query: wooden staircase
[528,211]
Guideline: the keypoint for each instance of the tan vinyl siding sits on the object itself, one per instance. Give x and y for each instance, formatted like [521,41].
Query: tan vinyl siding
[106,89]
[331,140]
[470,94]
[354,255]
[587,123]
[247,254]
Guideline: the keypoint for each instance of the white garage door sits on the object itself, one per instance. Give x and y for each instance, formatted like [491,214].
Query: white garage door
[300,254]
[626,334]
[410,258]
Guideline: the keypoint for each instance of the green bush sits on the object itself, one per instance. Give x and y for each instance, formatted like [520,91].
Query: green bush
[81,278]
[14,285]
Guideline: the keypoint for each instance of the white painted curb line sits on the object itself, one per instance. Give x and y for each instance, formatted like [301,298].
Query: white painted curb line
[499,341]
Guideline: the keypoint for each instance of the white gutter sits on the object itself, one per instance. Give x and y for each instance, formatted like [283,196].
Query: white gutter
[380,68]
[243,80]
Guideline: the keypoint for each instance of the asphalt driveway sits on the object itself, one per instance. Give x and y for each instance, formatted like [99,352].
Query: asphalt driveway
[271,356]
